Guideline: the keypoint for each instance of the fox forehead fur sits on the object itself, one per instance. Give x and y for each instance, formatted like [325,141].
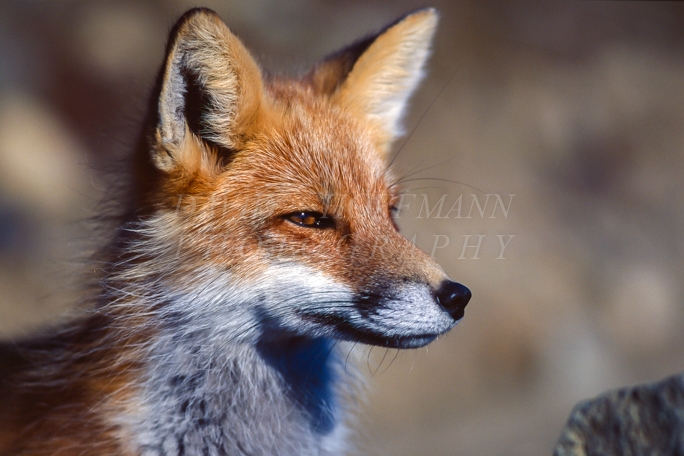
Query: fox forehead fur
[258,235]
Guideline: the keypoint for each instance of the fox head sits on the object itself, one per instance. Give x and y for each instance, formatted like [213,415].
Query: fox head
[270,201]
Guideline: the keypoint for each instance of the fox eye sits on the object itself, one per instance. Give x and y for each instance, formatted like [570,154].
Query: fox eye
[311,219]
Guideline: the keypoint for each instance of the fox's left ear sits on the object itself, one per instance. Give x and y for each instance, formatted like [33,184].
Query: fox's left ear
[375,77]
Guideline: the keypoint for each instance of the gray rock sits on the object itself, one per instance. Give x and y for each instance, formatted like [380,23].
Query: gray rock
[642,420]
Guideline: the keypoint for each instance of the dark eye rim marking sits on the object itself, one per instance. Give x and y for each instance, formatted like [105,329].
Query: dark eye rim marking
[310,219]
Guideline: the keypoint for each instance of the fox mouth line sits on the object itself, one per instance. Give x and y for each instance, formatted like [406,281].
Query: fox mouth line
[402,342]
[370,337]
[346,330]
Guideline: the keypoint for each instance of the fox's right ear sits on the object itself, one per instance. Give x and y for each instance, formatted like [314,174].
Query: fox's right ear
[211,93]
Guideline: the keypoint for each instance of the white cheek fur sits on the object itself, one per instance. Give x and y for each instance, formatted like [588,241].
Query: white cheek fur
[231,310]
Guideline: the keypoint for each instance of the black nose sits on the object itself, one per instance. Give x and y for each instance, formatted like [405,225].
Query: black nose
[453,297]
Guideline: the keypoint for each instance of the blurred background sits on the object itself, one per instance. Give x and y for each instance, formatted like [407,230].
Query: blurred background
[575,108]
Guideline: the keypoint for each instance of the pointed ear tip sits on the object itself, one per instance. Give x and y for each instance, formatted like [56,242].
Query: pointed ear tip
[428,14]
[196,15]
[198,12]
[192,21]
[423,21]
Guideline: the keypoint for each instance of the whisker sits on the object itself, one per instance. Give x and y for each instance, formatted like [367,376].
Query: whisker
[413,173]
[439,94]
[379,364]
[439,179]
[348,355]
[396,355]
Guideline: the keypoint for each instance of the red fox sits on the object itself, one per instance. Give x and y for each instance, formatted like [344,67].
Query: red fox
[256,238]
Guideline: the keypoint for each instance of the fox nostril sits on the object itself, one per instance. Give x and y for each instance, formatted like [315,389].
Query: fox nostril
[453,297]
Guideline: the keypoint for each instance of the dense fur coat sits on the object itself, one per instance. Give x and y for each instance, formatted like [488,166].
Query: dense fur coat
[258,235]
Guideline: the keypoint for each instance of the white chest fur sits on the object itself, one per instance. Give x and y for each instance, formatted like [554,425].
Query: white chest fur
[238,400]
